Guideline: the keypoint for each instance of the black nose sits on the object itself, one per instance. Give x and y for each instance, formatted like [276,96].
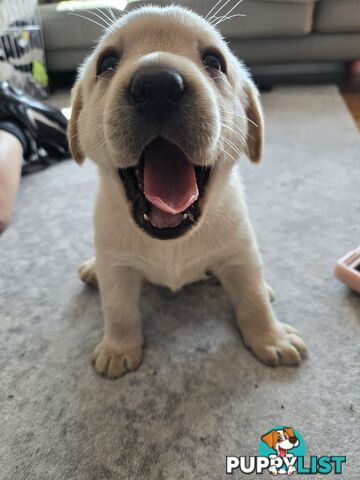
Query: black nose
[156,90]
[293,440]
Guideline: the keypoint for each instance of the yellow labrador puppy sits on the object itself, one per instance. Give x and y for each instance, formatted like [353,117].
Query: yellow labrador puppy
[165,110]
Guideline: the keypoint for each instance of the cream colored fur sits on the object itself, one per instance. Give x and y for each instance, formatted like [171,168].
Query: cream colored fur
[223,241]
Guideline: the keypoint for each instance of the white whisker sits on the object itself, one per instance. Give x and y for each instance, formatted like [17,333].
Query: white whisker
[100,17]
[227,153]
[227,15]
[227,141]
[212,9]
[219,10]
[112,14]
[105,16]
[235,132]
[223,19]
[233,8]
[88,19]
[101,144]
[241,116]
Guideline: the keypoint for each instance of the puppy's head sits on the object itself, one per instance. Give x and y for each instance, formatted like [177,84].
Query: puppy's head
[281,440]
[165,107]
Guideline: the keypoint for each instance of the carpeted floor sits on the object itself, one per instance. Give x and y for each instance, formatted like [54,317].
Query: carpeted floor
[199,394]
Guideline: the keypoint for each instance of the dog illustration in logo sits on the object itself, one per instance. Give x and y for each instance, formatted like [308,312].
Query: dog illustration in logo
[281,441]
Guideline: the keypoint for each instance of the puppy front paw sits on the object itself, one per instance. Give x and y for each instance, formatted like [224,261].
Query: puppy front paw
[113,361]
[87,272]
[273,470]
[282,345]
[291,470]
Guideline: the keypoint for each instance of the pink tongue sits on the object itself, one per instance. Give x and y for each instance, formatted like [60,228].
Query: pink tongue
[169,177]
[282,452]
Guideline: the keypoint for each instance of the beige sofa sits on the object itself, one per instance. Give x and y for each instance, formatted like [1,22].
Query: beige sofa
[272,32]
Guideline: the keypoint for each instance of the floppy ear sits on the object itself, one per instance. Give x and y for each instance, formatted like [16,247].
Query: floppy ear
[269,439]
[290,432]
[76,106]
[255,137]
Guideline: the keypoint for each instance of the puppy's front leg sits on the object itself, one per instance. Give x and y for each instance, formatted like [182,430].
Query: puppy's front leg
[272,342]
[121,347]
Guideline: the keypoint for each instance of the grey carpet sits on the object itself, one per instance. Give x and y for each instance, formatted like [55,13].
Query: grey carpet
[199,394]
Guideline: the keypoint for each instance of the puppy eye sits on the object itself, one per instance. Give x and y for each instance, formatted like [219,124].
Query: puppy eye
[213,61]
[107,63]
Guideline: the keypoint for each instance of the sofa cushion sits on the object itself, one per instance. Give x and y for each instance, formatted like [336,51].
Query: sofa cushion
[315,48]
[265,18]
[337,16]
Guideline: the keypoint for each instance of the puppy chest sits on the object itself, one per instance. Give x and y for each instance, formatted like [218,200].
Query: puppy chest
[175,275]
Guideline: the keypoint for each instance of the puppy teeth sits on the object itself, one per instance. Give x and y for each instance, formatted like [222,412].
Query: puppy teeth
[185,216]
[146,217]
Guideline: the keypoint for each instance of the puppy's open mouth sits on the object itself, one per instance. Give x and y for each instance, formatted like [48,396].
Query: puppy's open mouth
[282,452]
[165,189]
